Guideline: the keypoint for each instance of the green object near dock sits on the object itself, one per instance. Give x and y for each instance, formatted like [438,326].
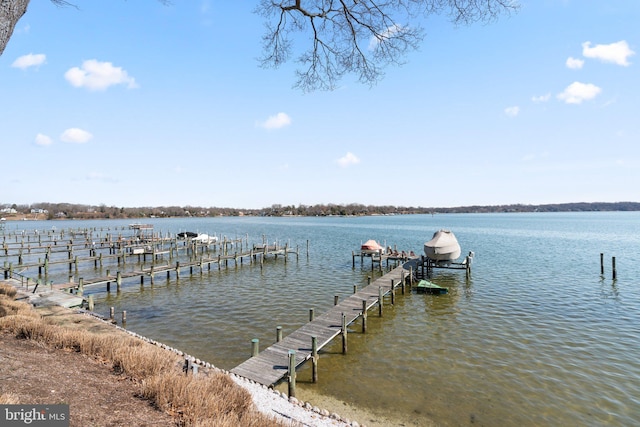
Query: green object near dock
[427,287]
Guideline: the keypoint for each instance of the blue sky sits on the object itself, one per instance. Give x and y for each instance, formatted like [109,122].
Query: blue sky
[143,104]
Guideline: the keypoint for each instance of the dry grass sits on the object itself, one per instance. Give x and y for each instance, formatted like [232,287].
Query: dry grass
[206,400]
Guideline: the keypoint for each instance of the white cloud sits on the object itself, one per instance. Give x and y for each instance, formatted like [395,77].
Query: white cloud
[30,60]
[618,52]
[574,63]
[43,140]
[278,121]
[577,92]
[512,111]
[541,98]
[76,135]
[348,160]
[95,75]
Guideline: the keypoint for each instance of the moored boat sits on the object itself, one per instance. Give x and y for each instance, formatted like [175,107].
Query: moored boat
[427,287]
[442,247]
[371,247]
[197,237]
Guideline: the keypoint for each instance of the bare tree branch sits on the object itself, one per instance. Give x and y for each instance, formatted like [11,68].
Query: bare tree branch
[357,36]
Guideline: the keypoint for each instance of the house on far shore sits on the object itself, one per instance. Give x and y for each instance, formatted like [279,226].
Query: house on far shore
[8,211]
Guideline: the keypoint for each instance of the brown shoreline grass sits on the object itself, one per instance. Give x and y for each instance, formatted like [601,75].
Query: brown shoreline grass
[209,399]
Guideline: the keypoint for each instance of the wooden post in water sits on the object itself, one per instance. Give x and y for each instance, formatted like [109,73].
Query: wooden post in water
[601,263]
[124,318]
[278,333]
[344,333]
[255,347]
[80,286]
[112,313]
[292,373]
[380,297]
[118,280]
[314,359]
[364,316]
[90,302]
[613,267]
[311,314]
[393,293]
[335,299]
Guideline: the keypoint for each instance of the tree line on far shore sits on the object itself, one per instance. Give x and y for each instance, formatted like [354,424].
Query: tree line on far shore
[80,211]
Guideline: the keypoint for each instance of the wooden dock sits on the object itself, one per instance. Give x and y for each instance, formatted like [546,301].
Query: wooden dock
[271,365]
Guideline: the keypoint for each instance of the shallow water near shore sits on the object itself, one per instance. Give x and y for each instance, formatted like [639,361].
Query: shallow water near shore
[536,335]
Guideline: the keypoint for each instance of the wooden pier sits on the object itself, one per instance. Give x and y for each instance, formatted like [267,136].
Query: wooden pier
[272,365]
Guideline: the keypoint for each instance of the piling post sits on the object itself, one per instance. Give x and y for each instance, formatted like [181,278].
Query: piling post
[118,280]
[80,286]
[353,259]
[344,333]
[393,293]
[355,289]
[278,333]
[91,303]
[311,314]
[292,373]
[255,347]
[314,359]
[364,316]
[380,298]
[112,313]
[124,318]
[335,299]
[601,263]
[613,268]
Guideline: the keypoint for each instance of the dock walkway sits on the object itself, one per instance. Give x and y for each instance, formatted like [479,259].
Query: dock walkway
[270,366]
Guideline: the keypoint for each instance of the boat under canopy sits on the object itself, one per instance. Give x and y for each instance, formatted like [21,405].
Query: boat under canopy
[442,247]
[371,247]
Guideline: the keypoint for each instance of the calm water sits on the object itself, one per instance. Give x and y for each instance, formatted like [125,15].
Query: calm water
[537,336]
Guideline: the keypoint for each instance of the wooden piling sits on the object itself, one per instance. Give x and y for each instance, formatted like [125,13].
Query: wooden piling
[314,359]
[613,268]
[601,263]
[255,347]
[344,333]
[364,316]
[380,299]
[292,373]
[393,293]
[278,333]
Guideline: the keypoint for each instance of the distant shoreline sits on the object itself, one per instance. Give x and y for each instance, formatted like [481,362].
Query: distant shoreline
[62,211]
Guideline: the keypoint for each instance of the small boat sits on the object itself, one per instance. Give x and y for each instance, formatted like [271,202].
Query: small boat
[371,247]
[205,238]
[442,247]
[187,235]
[427,287]
[197,237]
